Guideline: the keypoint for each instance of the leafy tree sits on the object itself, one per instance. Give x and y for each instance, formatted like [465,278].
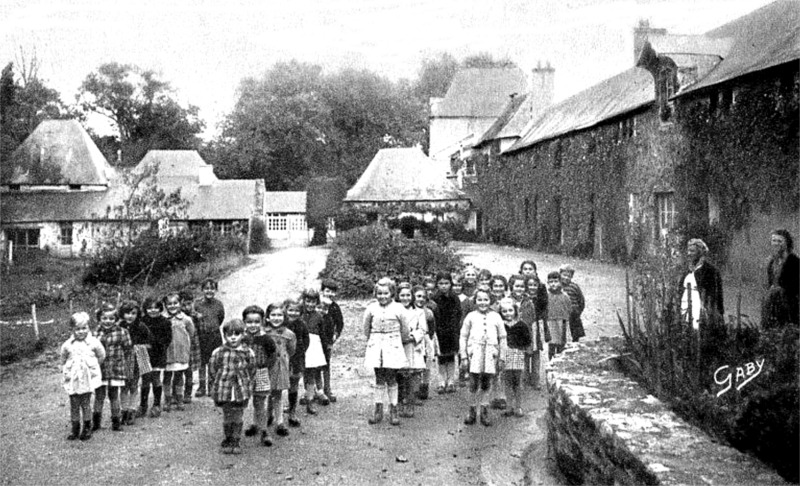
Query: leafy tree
[324,195]
[486,60]
[434,77]
[25,101]
[142,107]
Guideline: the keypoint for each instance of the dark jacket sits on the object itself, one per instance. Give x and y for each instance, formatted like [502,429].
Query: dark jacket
[337,320]
[789,280]
[709,284]
[161,329]
[448,322]
[297,363]
[519,335]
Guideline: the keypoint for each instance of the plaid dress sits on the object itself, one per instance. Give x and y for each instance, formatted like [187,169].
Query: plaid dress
[264,350]
[233,370]
[519,339]
[118,345]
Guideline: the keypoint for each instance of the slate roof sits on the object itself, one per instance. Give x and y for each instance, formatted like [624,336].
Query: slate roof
[175,165]
[480,92]
[403,175]
[50,206]
[59,152]
[623,93]
[499,125]
[764,38]
[285,202]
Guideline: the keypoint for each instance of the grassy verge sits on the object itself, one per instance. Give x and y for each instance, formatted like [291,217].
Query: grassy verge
[53,285]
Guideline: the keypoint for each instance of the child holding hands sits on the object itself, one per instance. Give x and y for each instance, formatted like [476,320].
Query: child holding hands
[118,345]
[519,339]
[483,353]
[264,351]
[280,371]
[81,356]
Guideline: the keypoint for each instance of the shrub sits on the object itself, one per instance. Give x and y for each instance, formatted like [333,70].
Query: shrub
[360,256]
[259,243]
[149,257]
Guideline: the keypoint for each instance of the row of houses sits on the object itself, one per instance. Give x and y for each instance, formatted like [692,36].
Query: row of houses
[700,132]
[60,194]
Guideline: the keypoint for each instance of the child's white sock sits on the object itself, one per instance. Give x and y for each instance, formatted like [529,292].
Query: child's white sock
[393,394]
[380,391]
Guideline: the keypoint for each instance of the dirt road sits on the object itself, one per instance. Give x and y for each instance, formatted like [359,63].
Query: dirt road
[335,447]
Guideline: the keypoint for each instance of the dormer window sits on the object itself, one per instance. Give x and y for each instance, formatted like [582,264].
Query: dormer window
[667,87]
[74,187]
[13,187]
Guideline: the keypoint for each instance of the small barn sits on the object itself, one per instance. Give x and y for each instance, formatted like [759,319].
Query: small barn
[285,213]
[405,182]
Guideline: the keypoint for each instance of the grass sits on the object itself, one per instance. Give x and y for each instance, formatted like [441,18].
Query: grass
[54,285]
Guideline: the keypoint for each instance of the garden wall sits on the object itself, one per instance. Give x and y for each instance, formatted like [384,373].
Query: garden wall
[603,428]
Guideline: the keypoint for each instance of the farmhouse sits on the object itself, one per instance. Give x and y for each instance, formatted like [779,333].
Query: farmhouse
[701,134]
[61,195]
[286,216]
[404,182]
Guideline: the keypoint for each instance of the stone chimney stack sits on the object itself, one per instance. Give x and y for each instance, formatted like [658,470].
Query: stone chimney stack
[642,33]
[542,87]
[206,175]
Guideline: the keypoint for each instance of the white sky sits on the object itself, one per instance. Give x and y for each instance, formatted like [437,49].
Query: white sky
[205,47]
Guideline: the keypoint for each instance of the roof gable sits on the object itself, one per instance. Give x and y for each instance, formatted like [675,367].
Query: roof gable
[502,121]
[285,202]
[176,166]
[403,174]
[625,92]
[59,152]
[762,39]
[480,92]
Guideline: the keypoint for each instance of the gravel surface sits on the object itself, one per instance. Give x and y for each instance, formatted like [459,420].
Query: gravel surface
[337,446]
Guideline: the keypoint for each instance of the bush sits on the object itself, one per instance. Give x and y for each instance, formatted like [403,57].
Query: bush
[149,257]
[360,256]
[259,243]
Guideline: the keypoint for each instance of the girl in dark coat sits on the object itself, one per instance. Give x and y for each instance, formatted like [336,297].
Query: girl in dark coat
[161,329]
[448,329]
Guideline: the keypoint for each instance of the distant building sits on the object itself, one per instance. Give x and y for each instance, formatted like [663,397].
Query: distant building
[404,182]
[61,195]
[286,217]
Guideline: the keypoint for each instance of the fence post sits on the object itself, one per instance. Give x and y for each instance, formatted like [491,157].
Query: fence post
[35,323]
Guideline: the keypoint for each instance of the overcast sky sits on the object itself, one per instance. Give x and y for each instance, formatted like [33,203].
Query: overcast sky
[204,47]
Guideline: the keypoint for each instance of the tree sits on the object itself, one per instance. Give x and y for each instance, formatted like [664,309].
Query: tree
[143,109]
[324,195]
[24,102]
[434,77]
[486,60]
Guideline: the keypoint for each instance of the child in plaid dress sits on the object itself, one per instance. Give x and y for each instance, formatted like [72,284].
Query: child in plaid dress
[139,361]
[519,339]
[81,356]
[280,371]
[264,350]
[233,366]
[118,345]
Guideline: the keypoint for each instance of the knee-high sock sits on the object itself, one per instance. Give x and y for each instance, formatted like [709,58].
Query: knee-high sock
[380,393]
[392,394]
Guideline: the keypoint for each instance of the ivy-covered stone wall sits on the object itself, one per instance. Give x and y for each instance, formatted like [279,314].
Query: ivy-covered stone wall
[587,193]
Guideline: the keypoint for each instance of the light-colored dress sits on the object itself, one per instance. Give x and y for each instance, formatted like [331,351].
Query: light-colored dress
[82,364]
[415,349]
[385,327]
[483,341]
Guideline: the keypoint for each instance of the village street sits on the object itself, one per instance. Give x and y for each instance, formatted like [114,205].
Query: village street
[335,447]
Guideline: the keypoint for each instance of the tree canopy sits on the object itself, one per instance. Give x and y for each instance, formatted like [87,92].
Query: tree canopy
[142,107]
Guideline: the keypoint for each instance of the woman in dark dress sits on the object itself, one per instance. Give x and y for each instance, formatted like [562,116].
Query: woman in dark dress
[783,283]
[448,329]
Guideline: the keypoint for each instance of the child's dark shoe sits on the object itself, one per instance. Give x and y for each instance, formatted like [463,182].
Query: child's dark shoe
[485,420]
[499,404]
[96,418]
[303,401]
[293,421]
[323,399]
[393,418]
[441,389]
[76,430]
[422,393]
[251,431]
[155,412]
[472,416]
[266,440]
[187,399]
[377,415]
[509,412]
[201,392]
[86,433]
[281,430]
[116,424]
[236,448]
[141,412]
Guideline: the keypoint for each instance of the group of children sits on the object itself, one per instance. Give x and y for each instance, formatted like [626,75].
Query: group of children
[160,345]
[494,327]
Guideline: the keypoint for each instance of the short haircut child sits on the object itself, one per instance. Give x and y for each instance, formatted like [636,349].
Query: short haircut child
[106,307]
[554,275]
[484,274]
[186,295]
[169,295]
[253,309]
[128,306]
[233,326]
[444,275]
[388,283]
[272,306]
[566,268]
[527,262]
[515,278]
[152,301]
[499,278]
[79,318]
[210,281]
[310,294]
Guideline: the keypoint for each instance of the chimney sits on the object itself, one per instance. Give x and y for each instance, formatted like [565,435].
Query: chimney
[542,87]
[642,33]
[206,175]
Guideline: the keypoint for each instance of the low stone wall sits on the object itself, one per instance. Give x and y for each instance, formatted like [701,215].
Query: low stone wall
[603,428]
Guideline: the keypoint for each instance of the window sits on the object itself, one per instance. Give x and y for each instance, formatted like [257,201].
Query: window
[470,167]
[65,233]
[665,202]
[74,187]
[276,222]
[23,237]
[667,87]
[14,187]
